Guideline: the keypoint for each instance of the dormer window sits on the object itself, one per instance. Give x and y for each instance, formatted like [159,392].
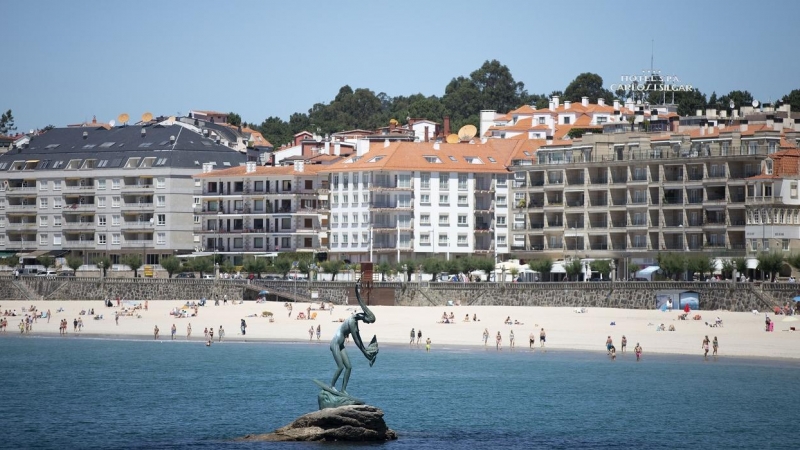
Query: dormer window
[132,163]
[768,166]
[433,159]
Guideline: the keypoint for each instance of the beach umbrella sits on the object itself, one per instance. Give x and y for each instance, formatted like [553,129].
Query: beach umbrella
[797,299]
[263,293]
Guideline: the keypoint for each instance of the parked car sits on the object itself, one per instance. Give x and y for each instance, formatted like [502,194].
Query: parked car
[48,273]
[185,275]
[272,277]
[66,274]
[208,276]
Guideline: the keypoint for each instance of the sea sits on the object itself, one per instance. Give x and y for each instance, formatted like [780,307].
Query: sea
[108,393]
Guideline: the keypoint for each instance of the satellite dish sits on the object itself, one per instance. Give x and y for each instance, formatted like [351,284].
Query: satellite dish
[453,139]
[123,118]
[467,132]
[755,103]
[147,117]
[111,123]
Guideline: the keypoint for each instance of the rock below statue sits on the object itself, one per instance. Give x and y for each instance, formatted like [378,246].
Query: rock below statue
[345,423]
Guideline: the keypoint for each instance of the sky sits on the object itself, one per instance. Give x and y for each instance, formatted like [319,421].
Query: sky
[67,61]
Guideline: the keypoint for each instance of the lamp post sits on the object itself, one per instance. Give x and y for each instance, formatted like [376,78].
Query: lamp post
[216,244]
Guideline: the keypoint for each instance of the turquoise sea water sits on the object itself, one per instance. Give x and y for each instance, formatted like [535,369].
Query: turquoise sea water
[104,393]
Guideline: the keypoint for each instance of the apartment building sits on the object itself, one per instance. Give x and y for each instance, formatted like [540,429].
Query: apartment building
[102,190]
[394,201]
[253,209]
[629,196]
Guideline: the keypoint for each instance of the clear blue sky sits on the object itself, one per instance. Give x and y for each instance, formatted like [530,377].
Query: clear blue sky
[66,61]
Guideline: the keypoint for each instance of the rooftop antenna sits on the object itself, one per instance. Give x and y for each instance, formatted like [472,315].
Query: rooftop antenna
[652,51]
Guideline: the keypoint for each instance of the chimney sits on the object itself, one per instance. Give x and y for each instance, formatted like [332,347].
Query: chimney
[446,126]
[436,146]
[616,104]
[743,127]
[86,134]
[601,101]
[250,166]
[144,132]
[426,133]
[699,112]
[584,101]
[171,139]
[556,102]
[567,104]
[298,166]
[484,140]
[327,150]
[551,106]
[94,120]
[703,130]
[549,140]
[337,148]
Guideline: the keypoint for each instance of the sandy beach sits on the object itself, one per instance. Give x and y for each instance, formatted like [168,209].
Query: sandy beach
[742,334]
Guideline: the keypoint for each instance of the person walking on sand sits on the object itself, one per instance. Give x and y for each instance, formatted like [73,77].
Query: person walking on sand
[243,326]
[188,331]
[116,317]
[715,346]
[485,337]
[531,340]
[623,343]
[705,346]
[155,332]
[221,333]
[145,305]
[498,341]
[542,336]
[609,344]
[205,333]
[311,333]
[511,339]
[419,336]
[412,337]
[174,330]
[48,316]
[211,334]
[428,345]
[319,331]
[638,351]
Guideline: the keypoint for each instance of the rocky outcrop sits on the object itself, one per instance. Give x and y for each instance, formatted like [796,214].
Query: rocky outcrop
[345,423]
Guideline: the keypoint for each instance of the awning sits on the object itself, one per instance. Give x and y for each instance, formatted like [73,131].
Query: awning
[646,272]
[752,263]
[558,268]
[6,254]
[57,253]
[33,254]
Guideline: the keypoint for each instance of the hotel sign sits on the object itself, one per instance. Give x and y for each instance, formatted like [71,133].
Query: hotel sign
[651,81]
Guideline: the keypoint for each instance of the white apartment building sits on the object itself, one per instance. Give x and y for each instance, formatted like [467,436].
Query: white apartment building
[404,200]
[104,191]
[251,210]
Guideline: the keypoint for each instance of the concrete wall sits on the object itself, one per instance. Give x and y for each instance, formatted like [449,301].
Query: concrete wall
[631,295]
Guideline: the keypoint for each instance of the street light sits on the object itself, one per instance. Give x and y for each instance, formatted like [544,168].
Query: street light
[216,244]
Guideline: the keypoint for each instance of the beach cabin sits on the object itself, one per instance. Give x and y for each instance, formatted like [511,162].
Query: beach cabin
[679,299]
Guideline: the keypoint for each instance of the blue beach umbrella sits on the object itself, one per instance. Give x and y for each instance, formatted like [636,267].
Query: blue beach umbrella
[263,293]
[797,299]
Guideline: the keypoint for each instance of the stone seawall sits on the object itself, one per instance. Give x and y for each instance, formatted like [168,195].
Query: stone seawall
[630,295]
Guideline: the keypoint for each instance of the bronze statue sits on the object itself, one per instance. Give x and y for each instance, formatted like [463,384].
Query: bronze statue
[329,396]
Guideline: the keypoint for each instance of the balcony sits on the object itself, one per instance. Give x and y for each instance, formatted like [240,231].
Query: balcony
[79,207]
[484,187]
[137,206]
[392,186]
[21,226]
[137,187]
[761,200]
[78,243]
[138,243]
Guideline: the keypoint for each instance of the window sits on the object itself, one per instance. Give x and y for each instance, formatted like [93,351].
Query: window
[462,181]
[43,203]
[365,237]
[42,185]
[425,180]
[161,183]
[115,201]
[541,121]
[501,221]
[344,238]
[114,183]
[43,221]
[344,219]
[335,199]
[768,166]
[444,220]
[365,218]
[43,239]
[57,239]
[462,239]
[336,218]
[355,238]
[286,243]
[56,185]
[115,239]
[793,189]
[197,220]
[753,244]
[501,200]
[433,159]
[115,220]
[161,238]
[462,200]
[462,220]
[345,198]
[501,240]
[785,244]
[346,180]
[365,198]
[425,239]
[101,221]
[355,184]
[101,202]
[286,223]
[442,239]
[101,184]
[424,199]
[444,180]
[404,181]
[161,219]
[444,199]
[567,120]
[425,219]
[355,218]
[764,244]
[336,239]
[161,200]
[56,221]
[101,238]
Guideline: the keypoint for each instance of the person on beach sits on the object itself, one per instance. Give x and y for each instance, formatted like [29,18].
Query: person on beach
[319,331]
[613,353]
[609,344]
[221,333]
[638,351]
[116,318]
[205,333]
[485,336]
[623,343]
[311,333]
[542,336]
[174,330]
[188,331]
[669,305]
[211,334]
[74,325]
[243,326]
[715,346]
[705,346]
[531,340]
[80,323]
[498,341]
[412,337]
[145,305]
[419,336]
[428,345]
[48,316]
[511,339]
[155,332]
